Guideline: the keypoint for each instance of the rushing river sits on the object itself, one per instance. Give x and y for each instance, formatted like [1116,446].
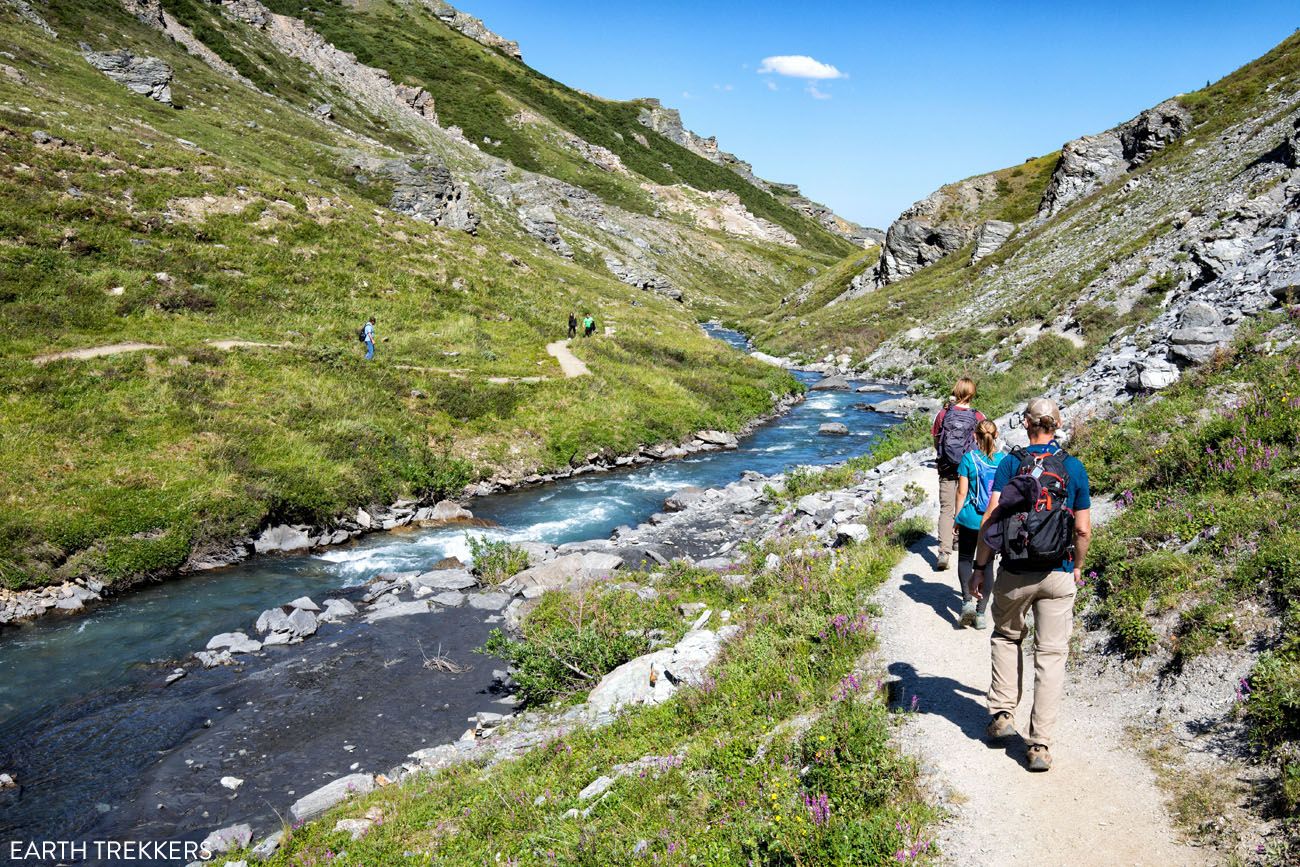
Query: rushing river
[101,749]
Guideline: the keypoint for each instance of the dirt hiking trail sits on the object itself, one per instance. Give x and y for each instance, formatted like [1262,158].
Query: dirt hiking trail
[571,364]
[1098,805]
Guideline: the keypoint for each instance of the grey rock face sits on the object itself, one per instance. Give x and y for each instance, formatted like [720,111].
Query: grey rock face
[419,99]
[147,76]
[539,221]
[642,278]
[911,245]
[1200,332]
[1091,162]
[989,237]
[424,188]
[833,428]
[683,498]
[329,795]
[446,579]
[472,27]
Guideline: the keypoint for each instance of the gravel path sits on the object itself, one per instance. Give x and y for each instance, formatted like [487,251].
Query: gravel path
[571,364]
[1099,805]
[95,352]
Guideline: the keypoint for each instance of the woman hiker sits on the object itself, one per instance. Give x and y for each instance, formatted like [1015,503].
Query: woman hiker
[573,325]
[954,435]
[975,476]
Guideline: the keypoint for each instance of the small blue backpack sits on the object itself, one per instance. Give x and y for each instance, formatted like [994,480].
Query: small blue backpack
[985,470]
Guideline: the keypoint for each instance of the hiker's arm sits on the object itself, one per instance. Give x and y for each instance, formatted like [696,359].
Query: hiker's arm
[1082,536]
[963,487]
[983,553]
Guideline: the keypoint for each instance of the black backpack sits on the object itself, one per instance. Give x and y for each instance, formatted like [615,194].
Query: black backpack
[1042,537]
[361,334]
[956,437]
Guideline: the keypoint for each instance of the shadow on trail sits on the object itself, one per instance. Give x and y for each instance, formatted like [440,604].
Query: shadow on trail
[956,702]
[938,591]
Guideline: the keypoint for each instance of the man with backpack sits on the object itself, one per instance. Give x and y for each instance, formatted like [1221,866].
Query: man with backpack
[588,325]
[367,336]
[954,435]
[1039,521]
[573,325]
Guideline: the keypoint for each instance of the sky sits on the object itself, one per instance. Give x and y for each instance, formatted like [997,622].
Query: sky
[869,106]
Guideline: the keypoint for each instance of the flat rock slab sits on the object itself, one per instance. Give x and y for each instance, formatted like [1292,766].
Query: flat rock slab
[446,579]
[489,601]
[235,642]
[331,794]
[227,839]
[630,683]
[401,609]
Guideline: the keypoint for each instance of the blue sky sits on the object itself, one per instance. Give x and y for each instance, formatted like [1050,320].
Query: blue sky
[928,92]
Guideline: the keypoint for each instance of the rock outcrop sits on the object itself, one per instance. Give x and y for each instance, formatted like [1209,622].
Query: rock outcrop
[863,236]
[642,278]
[912,244]
[989,237]
[151,14]
[1091,162]
[424,188]
[31,16]
[147,76]
[720,210]
[472,27]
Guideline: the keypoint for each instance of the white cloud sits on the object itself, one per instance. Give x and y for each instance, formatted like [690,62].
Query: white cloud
[815,93]
[686,94]
[771,85]
[800,66]
[725,88]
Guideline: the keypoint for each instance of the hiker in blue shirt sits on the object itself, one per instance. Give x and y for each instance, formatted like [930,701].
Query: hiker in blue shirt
[975,480]
[1039,515]
[368,337]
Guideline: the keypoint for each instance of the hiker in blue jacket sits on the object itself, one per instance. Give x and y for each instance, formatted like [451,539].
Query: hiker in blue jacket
[975,476]
[1039,519]
[368,337]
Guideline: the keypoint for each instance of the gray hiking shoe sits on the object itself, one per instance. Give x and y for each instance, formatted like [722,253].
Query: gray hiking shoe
[1003,725]
[981,620]
[941,564]
[1040,759]
[968,616]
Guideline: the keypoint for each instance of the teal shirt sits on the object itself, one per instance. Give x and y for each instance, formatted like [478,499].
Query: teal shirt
[968,469]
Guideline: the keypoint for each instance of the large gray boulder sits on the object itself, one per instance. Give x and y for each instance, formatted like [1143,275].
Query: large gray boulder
[281,539]
[147,76]
[911,245]
[329,795]
[833,428]
[235,642]
[989,237]
[831,383]
[445,579]
[1200,333]
[631,683]
[563,572]
[228,839]
[424,188]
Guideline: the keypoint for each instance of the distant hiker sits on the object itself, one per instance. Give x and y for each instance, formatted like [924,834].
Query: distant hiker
[954,435]
[588,325]
[975,476]
[573,325]
[1040,522]
[367,336]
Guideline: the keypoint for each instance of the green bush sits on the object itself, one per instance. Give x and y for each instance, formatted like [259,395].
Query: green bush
[495,560]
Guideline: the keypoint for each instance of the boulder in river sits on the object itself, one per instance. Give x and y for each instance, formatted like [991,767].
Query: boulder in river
[448,510]
[683,498]
[273,620]
[831,383]
[331,794]
[304,603]
[235,642]
[717,438]
[833,428]
[302,623]
[283,538]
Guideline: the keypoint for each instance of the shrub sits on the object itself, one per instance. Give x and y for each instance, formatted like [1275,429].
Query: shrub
[495,560]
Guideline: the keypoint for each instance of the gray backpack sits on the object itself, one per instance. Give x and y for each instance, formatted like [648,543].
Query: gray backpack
[956,437]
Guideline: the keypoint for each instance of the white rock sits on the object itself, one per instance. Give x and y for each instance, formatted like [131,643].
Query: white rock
[401,609]
[225,839]
[235,642]
[450,510]
[283,538]
[304,603]
[330,794]
[446,579]
[629,684]
[355,827]
[231,783]
[595,788]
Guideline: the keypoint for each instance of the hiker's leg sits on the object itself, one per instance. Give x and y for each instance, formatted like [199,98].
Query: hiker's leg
[1013,598]
[1053,622]
[370,350]
[967,540]
[947,512]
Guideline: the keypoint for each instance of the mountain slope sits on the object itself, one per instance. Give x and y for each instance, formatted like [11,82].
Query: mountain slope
[246,227]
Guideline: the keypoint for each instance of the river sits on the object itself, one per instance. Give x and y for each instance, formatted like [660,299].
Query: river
[102,750]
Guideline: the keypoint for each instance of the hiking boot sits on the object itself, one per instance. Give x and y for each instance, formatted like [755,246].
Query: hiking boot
[981,620]
[941,564]
[1039,758]
[1003,725]
[968,616]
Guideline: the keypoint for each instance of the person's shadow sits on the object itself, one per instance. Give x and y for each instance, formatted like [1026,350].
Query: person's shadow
[938,592]
[954,701]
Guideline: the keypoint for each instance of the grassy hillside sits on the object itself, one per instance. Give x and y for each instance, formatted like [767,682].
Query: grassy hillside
[480,90]
[232,218]
[1201,557]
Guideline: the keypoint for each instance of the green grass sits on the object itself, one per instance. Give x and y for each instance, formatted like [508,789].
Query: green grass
[735,769]
[118,467]
[1206,476]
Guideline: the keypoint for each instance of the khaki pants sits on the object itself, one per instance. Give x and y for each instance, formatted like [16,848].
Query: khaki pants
[1052,596]
[947,514]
